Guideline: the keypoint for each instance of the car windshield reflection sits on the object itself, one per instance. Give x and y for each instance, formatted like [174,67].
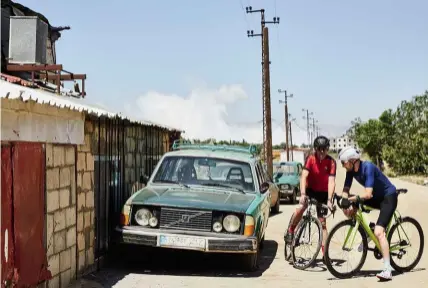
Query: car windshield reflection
[206,171]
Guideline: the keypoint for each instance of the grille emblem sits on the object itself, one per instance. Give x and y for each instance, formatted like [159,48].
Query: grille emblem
[185,218]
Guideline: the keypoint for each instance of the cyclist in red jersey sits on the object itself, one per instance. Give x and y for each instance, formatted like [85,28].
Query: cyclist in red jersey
[318,181]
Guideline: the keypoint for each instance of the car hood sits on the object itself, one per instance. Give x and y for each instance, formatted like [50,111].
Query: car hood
[212,199]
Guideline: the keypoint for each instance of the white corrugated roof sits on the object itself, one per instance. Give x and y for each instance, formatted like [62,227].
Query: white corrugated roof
[14,91]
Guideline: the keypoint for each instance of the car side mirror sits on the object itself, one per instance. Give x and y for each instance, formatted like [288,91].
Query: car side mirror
[264,187]
[144,179]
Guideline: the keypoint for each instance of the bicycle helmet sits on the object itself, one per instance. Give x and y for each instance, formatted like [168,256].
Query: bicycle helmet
[348,153]
[321,142]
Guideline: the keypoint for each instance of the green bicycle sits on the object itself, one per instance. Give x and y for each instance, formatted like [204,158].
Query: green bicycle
[359,225]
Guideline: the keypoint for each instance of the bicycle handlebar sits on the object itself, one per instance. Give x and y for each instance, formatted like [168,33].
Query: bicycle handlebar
[313,201]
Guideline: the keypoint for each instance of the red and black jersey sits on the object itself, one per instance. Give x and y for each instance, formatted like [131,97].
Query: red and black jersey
[319,172]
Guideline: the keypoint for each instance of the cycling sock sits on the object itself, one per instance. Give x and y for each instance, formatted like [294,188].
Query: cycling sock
[291,229]
[387,264]
[322,247]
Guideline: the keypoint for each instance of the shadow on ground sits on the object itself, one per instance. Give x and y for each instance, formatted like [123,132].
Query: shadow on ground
[140,260]
[372,273]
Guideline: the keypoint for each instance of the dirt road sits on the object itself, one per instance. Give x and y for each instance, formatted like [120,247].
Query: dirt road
[171,269]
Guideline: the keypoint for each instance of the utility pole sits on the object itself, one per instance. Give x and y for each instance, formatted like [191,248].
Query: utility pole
[308,119]
[267,119]
[286,119]
[291,138]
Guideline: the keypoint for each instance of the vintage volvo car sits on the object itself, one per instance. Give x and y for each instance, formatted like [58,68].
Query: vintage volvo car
[287,176]
[202,197]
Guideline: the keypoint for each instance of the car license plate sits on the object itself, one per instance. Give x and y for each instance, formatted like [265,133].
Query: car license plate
[182,242]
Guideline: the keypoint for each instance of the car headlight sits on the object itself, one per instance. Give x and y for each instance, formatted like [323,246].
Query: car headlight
[143,216]
[231,223]
[285,186]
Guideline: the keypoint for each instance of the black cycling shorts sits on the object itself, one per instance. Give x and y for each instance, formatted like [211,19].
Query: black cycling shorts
[320,196]
[387,207]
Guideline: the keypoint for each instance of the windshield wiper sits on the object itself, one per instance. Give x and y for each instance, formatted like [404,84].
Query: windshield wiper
[175,182]
[224,186]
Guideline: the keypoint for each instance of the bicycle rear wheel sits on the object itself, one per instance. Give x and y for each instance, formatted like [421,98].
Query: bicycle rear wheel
[397,252]
[349,226]
[305,230]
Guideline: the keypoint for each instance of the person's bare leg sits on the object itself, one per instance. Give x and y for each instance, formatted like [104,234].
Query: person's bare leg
[324,233]
[384,246]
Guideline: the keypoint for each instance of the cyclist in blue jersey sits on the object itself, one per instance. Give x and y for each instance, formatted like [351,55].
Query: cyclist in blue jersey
[379,193]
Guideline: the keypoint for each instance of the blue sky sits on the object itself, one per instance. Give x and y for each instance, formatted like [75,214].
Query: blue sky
[340,59]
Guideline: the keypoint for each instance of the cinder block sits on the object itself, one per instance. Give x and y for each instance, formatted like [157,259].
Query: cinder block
[90,199]
[49,234]
[80,241]
[59,155]
[52,178]
[79,180]
[91,238]
[90,165]
[73,262]
[59,241]
[81,260]
[49,155]
[90,256]
[65,177]
[52,201]
[64,197]
[54,282]
[87,219]
[73,187]
[53,263]
[87,181]
[89,127]
[65,260]
[70,216]
[81,198]
[71,237]
[69,156]
[81,161]
[80,221]
[65,278]
[59,220]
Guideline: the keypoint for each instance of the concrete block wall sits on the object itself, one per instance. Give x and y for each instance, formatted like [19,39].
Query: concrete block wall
[85,204]
[61,213]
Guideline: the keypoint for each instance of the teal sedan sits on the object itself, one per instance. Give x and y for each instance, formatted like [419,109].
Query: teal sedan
[287,177]
[210,198]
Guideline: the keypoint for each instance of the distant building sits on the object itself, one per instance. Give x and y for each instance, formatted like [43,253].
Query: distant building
[339,143]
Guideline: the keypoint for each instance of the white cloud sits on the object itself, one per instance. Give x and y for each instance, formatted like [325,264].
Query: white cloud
[202,114]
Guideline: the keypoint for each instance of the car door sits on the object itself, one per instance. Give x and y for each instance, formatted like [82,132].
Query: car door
[273,188]
[266,199]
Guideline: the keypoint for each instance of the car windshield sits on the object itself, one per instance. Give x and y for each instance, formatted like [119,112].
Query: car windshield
[284,169]
[205,171]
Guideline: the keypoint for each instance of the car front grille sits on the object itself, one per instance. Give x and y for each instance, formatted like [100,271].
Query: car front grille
[175,218]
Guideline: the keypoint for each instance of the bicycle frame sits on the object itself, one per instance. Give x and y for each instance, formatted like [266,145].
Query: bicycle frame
[360,219]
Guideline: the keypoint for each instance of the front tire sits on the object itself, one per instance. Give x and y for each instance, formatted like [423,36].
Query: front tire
[327,260]
[293,198]
[251,262]
[395,228]
[301,227]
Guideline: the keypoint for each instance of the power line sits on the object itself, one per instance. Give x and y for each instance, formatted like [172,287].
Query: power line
[287,147]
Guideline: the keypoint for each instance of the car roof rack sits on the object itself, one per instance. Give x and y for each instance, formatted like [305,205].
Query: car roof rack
[180,144]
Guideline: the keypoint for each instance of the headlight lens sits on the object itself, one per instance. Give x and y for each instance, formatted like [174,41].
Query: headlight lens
[217,227]
[231,223]
[285,186]
[143,216]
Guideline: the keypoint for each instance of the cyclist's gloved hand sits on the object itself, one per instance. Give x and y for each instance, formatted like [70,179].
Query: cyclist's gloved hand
[345,203]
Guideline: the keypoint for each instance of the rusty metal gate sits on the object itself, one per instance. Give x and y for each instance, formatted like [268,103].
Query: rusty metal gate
[23,234]
[111,176]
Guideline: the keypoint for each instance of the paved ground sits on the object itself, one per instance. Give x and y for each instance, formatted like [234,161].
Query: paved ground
[165,268]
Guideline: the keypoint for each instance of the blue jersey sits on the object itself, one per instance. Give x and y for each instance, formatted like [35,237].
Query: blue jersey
[370,176]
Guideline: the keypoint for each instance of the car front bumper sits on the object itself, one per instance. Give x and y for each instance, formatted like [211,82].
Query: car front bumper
[286,192]
[187,240]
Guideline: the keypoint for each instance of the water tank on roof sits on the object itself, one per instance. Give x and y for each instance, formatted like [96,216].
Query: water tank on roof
[27,40]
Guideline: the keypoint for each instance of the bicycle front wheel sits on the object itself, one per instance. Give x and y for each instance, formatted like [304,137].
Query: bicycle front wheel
[345,238]
[401,246]
[308,233]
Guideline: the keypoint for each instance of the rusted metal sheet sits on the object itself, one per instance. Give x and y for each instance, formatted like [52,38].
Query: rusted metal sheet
[7,249]
[29,213]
